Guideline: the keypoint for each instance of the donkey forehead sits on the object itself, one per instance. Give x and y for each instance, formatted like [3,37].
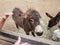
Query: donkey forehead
[24,15]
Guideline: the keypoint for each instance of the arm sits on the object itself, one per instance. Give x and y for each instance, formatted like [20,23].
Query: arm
[3,19]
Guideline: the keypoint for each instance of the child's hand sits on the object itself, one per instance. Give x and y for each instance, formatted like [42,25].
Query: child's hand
[4,17]
[8,13]
[18,42]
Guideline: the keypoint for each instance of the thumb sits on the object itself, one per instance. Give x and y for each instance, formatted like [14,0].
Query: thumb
[18,41]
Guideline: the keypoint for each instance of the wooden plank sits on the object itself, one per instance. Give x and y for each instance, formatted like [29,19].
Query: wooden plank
[14,35]
[7,41]
[2,42]
[23,39]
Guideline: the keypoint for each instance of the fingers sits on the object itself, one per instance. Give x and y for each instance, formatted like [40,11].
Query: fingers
[8,13]
[18,41]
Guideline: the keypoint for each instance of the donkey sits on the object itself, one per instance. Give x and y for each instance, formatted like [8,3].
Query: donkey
[53,20]
[29,21]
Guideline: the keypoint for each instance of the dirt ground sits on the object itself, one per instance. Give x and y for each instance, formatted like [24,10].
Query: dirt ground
[43,6]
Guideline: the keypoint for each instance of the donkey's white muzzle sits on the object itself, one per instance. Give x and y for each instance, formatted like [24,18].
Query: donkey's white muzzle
[38,30]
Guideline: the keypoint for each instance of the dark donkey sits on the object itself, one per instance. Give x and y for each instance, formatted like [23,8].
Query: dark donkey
[29,21]
[53,20]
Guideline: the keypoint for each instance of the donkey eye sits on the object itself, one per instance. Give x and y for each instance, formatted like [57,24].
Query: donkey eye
[31,20]
[19,15]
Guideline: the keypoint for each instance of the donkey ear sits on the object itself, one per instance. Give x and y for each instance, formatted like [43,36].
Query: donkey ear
[49,15]
[17,11]
[33,12]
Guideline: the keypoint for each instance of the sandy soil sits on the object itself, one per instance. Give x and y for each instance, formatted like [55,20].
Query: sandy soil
[43,6]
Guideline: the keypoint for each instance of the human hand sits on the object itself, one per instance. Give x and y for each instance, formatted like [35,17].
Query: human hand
[4,17]
[18,42]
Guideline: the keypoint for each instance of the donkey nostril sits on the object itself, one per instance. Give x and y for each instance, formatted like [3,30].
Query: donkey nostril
[59,26]
[39,34]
